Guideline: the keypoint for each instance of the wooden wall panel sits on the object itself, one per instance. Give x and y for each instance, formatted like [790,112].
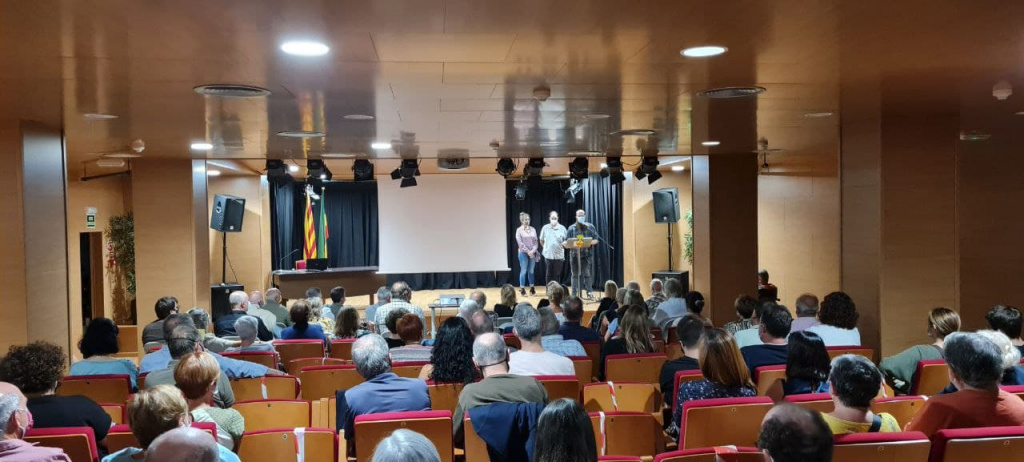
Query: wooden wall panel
[248,252]
[14,328]
[646,240]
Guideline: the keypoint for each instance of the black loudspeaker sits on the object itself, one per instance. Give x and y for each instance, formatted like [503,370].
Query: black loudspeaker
[666,205]
[219,299]
[682,276]
[227,213]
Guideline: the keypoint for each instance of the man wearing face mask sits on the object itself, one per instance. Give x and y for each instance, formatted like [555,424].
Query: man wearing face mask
[582,271]
[16,420]
[552,236]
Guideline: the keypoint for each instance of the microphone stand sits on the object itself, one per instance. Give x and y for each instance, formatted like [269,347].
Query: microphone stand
[281,262]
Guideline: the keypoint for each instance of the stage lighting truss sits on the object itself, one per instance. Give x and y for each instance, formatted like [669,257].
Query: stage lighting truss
[407,172]
[613,171]
[648,168]
[521,190]
[506,167]
[574,188]
[534,167]
[579,168]
[362,169]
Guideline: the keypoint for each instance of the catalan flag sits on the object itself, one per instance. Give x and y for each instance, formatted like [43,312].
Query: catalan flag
[324,234]
[310,249]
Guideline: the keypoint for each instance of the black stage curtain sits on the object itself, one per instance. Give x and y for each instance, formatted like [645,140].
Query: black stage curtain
[603,204]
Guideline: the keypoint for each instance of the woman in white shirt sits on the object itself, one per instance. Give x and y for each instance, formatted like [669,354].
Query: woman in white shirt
[838,316]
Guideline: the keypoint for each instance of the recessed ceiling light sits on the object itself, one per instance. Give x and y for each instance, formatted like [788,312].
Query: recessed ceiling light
[1019,113]
[380,145]
[818,115]
[634,131]
[710,143]
[231,90]
[212,172]
[301,134]
[703,51]
[122,155]
[305,48]
[731,92]
[337,155]
[110,163]
[201,146]
[293,168]
[98,116]
[595,116]
[358,117]
[678,168]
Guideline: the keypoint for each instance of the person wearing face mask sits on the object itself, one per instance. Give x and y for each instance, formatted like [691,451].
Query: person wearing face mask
[17,421]
[582,271]
[552,236]
[526,237]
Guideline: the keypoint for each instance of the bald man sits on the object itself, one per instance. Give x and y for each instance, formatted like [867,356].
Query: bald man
[16,421]
[187,444]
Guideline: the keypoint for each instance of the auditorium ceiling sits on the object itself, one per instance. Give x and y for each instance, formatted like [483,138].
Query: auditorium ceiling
[438,78]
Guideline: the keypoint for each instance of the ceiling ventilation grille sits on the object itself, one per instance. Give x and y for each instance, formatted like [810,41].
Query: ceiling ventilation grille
[731,92]
[228,90]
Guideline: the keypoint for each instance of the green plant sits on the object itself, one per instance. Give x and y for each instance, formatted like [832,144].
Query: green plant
[688,238]
[120,233]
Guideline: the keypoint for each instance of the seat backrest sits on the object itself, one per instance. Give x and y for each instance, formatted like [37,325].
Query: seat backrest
[141,381]
[674,351]
[475,447]
[105,388]
[301,348]
[820,402]
[318,445]
[120,437]
[267,387]
[444,396]
[512,341]
[643,367]
[342,348]
[621,396]
[322,381]
[408,369]
[593,349]
[722,422]
[627,433]
[659,344]
[740,454]
[79,443]
[864,351]
[930,378]
[370,429]
[881,447]
[294,366]
[560,386]
[584,368]
[116,412]
[266,358]
[765,376]
[266,414]
[323,413]
[977,444]
[618,459]
[902,408]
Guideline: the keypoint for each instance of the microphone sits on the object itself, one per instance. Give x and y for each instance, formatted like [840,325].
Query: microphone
[281,263]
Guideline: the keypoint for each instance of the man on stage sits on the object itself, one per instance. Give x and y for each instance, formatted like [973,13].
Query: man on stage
[552,235]
[582,270]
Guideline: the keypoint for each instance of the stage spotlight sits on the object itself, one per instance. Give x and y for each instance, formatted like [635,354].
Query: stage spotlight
[277,172]
[521,190]
[408,172]
[318,169]
[648,168]
[506,167]
[363,170]
[535,167]
[579,168]
[613,170]
[408,182]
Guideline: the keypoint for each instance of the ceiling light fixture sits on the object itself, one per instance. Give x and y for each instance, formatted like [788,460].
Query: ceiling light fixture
[110,163]
[363,170]
[731,92]
[358,117]
[1019,113]
[201,146]
[301,134]
[318,169]
[277,172]
[534,167]
[703,51]
[122,155]
[231,90]
[678,168]
[293,168]
[612,168]
[407,172]
[506,167]
[595,116]
[818,115]
[648,168]
[213,173]
[305,48]
[380,145]
[337,155]
[710,143]
[98,116]
[579,168]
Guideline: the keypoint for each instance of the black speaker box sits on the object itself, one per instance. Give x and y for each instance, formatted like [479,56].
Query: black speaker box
[227,213]
[666,205]
[219,302]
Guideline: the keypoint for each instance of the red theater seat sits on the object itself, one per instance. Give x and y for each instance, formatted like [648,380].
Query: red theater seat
[104,388]
[766,376]
[864,351]
[274,413]
[512,341]
[820,402]
[724,453]
[978,444]
[120,437]
[116,412]
[266,358]
[930,378]
[294,366]
[627,433]
[593,349]
[370,429]
[621,396]
[584,368]
[444,396]
[641,367]
[79,443]
[722,422]
[342,348]
[902,408]
[560,386]
[300,348]
[881,447]
[322,381]
[267,387]
[318,445]
[408,369]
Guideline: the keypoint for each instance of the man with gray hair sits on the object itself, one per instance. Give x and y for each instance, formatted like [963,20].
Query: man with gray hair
[490,355]
[674,306]
[552,341]
[273,305]
[183,444]
[401,295]
[467,307]
[975,369]
[480,322]
[383,298]
[480,298]
[212,342]
[247,327]
[806,313]
[383,391]
[185,340]
[15,419]
[158,360]
[532,359]
[224,326]
[657,295]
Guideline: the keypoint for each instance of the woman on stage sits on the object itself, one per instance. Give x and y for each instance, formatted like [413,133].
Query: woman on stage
[526,237]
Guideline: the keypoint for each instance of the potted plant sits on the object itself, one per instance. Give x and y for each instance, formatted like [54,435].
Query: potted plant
[120,235]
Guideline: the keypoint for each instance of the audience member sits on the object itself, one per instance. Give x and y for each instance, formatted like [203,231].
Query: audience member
[391,323]
[806,313]
[410,330]
[451,359]
[690,331]
[633,285]
[183,342]
[273,304]
[725,375]
[401,295]
[383,391]
[766,291]
[838,316]
[744,305]
[255,298]
[772,331]
[899,369]
[98,346]
[556,295]
[224,326]
[853,383]
[975,368]
[657,295]
[564,434]
[346,324]
[211,342]
[153,332]
[316,316]
[16,422]
[267,317]
[383,298]
[405,446]
[480,323]
[490,355]
[337,303]
[791,433]
[36,369]
[611,315]
[301,328]
[466,307]
[199,379]
[1008,320]
[1013,372]
[752,334]
[184,444]
[532,359]
[552,341]
[607,304]
[695,303]
[631,298]
[314,292]
[508,301]
[246,327]
[807,367]
[480,298]
[233,368]
[635,337]
[571,328]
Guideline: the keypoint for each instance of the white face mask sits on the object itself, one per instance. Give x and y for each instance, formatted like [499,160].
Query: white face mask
[554,221]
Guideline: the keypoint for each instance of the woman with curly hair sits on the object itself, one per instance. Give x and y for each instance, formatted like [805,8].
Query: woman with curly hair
[98,346]
[838,316]
[451,360]
[346,324]
[36,369]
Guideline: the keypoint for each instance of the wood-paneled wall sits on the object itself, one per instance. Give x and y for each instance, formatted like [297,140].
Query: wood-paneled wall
[14,328]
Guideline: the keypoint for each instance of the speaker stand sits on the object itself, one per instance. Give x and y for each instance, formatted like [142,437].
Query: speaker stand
[224,258]
[670,246]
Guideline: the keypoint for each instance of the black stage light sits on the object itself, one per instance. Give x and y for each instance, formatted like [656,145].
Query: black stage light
[506,167]
[534,167]
[277,172]
[318,169]
[579,168]
[521,191]
[362,169]
[408,182]
[648,168]
[407,171]
[396,174]
[613,170]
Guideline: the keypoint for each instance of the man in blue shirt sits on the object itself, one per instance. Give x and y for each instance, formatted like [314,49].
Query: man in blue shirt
[571,329]
[383,391]
[773,331]
[158,360]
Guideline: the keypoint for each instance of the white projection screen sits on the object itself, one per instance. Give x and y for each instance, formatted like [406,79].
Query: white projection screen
[446,224]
